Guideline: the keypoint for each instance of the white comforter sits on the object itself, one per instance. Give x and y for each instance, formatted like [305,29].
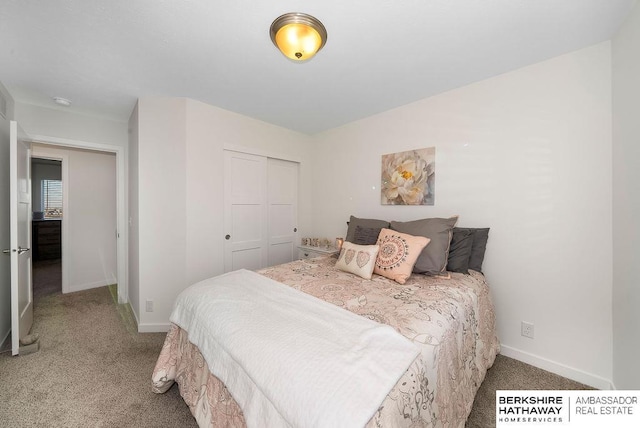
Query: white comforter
[288,358]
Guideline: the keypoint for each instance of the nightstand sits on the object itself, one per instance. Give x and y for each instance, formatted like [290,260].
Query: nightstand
[305,252]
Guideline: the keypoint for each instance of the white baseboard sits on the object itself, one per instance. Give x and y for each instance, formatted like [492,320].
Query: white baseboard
[557,368]
[153,327]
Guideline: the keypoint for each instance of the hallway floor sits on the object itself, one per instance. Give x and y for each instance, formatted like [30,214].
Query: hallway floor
[47,278]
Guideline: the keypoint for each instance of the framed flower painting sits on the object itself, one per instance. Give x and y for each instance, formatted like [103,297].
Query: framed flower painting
[409,178]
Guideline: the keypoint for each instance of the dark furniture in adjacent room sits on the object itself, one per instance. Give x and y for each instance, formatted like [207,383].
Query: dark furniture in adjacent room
[46,239]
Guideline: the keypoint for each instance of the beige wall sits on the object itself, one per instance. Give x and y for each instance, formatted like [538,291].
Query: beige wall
[626,204]
[8,99]
[180,145]
[161,222]
[51,122]
[209,131]
[527,153]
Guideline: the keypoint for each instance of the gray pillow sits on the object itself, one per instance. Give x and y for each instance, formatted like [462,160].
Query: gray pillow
[460,250]
[366,235]
[433,260]
[480,238]
[363,222]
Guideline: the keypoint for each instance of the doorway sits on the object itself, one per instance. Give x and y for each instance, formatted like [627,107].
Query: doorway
[117,153]
[88,217]
[46,226]
[121,231]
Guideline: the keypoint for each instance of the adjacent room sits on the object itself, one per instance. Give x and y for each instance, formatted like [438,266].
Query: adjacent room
[46,225]
[194,213]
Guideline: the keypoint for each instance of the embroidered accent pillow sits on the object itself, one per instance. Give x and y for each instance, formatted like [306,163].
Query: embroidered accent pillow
[398,253]
[357,259]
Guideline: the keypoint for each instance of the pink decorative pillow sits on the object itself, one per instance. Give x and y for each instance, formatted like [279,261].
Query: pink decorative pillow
[357,259]
[398,253]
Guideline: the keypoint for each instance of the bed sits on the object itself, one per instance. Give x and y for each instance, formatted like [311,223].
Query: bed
[451,320]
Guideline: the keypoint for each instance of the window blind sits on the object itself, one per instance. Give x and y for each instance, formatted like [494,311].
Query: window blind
[52,198]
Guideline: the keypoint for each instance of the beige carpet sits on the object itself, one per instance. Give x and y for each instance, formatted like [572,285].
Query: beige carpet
[94,370]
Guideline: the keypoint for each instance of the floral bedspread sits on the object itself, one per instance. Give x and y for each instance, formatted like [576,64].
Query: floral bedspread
[451,320]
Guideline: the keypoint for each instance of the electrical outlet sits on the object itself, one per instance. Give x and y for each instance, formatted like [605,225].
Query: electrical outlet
[149,305]
[527,329]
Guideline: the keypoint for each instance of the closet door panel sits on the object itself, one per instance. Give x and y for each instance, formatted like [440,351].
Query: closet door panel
[283,210]
[245,211]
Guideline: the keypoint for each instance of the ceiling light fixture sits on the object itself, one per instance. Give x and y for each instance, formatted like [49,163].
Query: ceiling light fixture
[298,36]
[62,101]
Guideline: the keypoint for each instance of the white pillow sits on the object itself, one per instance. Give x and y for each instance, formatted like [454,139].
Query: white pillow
[358,259]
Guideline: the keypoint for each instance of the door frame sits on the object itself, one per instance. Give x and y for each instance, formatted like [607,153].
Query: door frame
[122,246]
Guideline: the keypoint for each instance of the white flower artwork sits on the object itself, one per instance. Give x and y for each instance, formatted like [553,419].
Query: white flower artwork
[409,178]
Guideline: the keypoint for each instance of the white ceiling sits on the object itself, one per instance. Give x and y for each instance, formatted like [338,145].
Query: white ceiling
[380,54]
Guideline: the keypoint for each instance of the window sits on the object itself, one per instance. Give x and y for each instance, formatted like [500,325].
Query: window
[52,198]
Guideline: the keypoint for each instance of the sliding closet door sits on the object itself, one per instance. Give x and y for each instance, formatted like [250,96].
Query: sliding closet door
[282,199]
[260,211]
[245,211]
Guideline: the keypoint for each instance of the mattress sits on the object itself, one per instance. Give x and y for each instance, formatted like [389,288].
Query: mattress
[452,321]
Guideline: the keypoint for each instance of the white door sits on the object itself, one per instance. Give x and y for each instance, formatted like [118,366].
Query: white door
[245,211]
[20,219]
[5,232]
[282,199]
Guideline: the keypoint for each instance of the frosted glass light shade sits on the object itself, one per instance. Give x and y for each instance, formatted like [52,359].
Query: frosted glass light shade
[298,36]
